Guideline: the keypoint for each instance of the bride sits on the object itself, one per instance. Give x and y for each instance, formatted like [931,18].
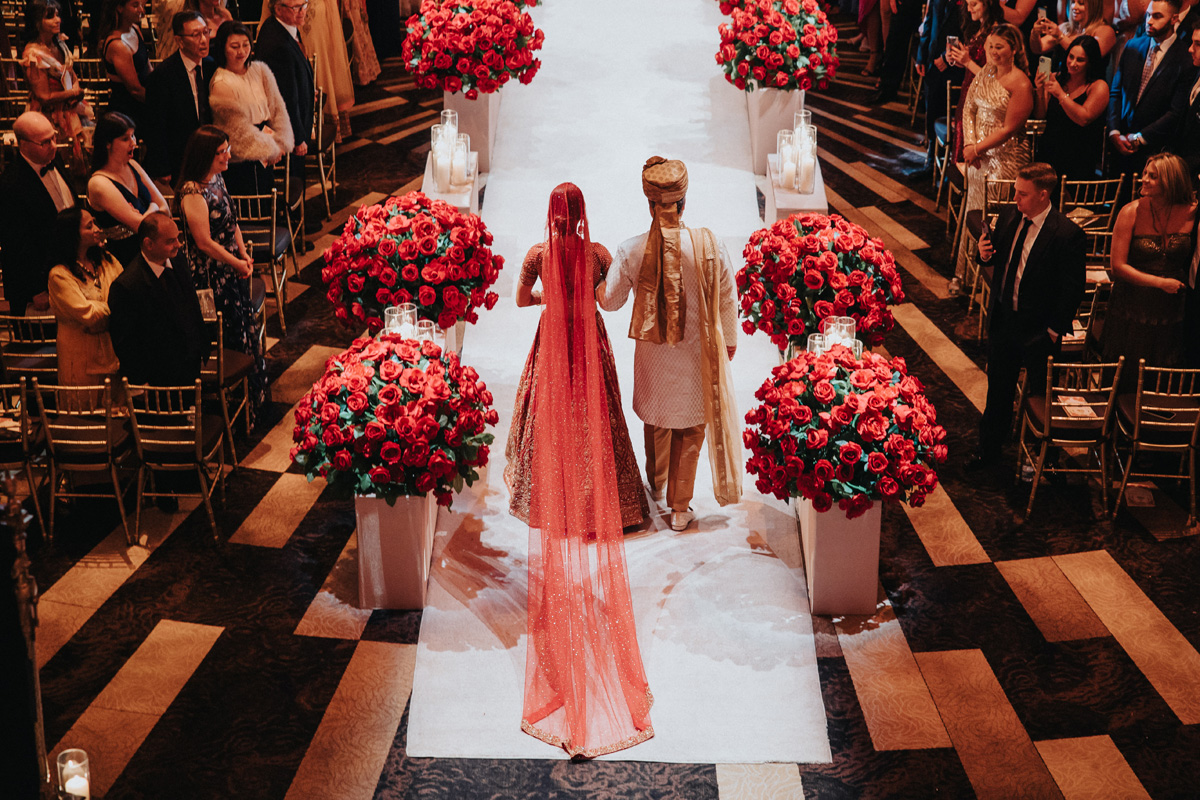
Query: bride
[574,479]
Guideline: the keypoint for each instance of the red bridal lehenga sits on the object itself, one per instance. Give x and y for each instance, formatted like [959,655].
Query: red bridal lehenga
[585,688]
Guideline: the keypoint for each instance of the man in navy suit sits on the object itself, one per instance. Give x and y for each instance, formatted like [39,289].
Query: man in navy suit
[1144,103]
[278,46]
[1037,285]
[178,93]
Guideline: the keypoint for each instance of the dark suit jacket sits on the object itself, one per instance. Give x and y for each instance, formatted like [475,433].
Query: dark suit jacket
[1052,284]
[1186,143]
[27,215]
[942,19]
[1156,117]
[174,118]
[278,50]
[158,338]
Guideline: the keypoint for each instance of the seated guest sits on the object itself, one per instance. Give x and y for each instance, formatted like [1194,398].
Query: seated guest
[1086,19]
[1073,104]
[120,191]
[156,326]
[1143,113]
[1037,285]
[32,191]
[79,288]
[178,93]
[216,251]
[1151,256]
[126,56]
[246,104]
[54,86]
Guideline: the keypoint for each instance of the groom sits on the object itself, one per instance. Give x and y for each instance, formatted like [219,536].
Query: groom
[685,325]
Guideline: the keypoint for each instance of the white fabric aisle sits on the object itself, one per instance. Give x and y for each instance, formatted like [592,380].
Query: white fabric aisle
[723,618]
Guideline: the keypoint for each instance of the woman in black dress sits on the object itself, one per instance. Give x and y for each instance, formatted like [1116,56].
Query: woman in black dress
[120,192]
[1073,104]
[126,56]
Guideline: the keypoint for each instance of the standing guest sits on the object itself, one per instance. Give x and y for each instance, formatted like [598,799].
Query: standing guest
[120,192]
[324,39]
[1189,19]
[246,104]
[906,18]
[980,18]
[178,93]
[1087,19]
[79,289]
[1037,286]
[1187,143]
[32,191]
[278,47]
[1153,243]
[363,60]
[216,251]
[942,19]
[872,31]
[54,86]
[685,325]
[165,41]
[214,12]
[1073,104]
[994,116]
[126,56]
[1143,112]
[156,325]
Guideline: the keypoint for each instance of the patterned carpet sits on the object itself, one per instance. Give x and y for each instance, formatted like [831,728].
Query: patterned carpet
[1054,658]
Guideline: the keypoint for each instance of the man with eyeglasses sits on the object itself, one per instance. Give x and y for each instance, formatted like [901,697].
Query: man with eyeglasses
[280,48]
[178,93]
[32,192]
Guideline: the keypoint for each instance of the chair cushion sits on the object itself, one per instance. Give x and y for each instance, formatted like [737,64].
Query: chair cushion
[238,366]
[212,426]
[81,446]
[1074,428]
[261,236]
[1153,432]
[940,129]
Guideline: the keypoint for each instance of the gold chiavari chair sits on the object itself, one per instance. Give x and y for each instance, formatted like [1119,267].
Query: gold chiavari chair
[1092,205]
[944,131]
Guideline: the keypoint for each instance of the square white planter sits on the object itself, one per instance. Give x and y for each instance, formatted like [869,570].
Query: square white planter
[395,545]
[479,119]
[770,111]
[453,337]
[841,558]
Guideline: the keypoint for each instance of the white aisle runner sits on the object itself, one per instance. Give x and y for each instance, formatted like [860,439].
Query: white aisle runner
[723,619]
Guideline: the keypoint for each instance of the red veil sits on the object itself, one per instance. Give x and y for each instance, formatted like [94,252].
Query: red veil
[585,688]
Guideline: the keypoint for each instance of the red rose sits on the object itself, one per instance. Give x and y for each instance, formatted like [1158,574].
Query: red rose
[872,426]
[409,272]
[817,438]
[824,392]
[342,460]
[426,482]
[387,247]
[390,452]
[357,402]
[427,296]
[389,371]
[850,453]
[380,475]
[330,412]
[375,431]
[877,462]
[823,469]
[823,502]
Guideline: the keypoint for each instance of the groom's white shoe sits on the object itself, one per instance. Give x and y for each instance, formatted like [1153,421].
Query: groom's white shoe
[681,519]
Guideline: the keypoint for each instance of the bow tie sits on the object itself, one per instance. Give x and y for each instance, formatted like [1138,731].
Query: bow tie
[46,169]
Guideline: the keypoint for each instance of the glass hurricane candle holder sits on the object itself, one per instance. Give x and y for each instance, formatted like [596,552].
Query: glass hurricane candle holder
[460,161]
[449,122]
[785,148]
[426,331]
[816,343]
[74,775]
[801,118]
[806,161]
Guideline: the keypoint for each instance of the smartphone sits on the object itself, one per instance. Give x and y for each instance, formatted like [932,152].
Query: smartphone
[951,42]
[1044,66]
[1041,13]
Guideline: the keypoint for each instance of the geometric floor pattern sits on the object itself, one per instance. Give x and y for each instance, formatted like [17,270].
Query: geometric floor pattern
[1055,657]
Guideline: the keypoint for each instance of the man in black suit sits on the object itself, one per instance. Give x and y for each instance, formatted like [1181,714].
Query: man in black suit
[32,192]
[178,92]
[906,18]
[1037,285]
[155,321]
[278,46]
[1186,144]
[941,20]
[1144,102]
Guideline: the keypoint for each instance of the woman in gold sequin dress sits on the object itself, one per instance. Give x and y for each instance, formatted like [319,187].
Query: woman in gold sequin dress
[994,114]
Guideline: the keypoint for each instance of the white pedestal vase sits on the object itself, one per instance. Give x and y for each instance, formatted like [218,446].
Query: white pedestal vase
[770,111]
[395,544]
[841,558]
[454,337]
[478,118]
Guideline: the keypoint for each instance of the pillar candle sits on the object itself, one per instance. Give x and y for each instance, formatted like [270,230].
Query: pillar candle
[807,180]
[788,180]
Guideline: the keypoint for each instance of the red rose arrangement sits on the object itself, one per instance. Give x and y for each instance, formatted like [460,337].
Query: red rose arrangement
[472,46]
[831,427]
[777,44]
[392,417]
[411,249]
[808,267]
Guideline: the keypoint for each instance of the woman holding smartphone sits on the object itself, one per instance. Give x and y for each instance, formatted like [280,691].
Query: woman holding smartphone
[980,18]
[1086,18]
[1073,103]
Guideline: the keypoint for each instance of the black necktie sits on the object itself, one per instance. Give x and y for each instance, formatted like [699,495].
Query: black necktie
[44,171]
[202,95]
[1014,262]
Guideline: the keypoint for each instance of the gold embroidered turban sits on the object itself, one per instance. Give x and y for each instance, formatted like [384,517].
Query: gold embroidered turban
[658,310]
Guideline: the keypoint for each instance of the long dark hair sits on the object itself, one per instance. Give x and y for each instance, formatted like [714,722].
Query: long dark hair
[202,147]
[109,128]
[230,27]
[35,12]
[993,15]
[1095,61]
[64,242]
[108,18]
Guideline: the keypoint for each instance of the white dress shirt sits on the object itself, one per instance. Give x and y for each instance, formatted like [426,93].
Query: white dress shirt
[189,67]
[56,187]
[1034,229]
[158,269]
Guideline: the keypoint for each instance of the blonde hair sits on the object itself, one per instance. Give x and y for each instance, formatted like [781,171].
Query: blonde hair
[1012,35]
[1095,15]
[1173,178]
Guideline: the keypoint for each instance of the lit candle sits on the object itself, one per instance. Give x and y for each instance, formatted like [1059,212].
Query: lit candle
[459,165]
[441,169]
[788,181]
[77,786]
[807,178]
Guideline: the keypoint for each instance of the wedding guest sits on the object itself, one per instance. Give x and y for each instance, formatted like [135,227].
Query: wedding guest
[156,325]
[278,47]
[32,191]
[906,18]
[323,37]
[120,192]
[79,288]
[247,105]
[684,325]
[568,216]
[980,18]
[1087,19]
[166,42]
[1037,286]
[178,92]
[214,12]
[216,252]
[1153,243]
[1073,104]
[1143,108]
[942,19]
[363,59]
[1186,143]
[54,86]
[126,56]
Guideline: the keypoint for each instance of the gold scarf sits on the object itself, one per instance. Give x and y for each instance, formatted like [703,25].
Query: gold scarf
[658,308]
[720,406]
